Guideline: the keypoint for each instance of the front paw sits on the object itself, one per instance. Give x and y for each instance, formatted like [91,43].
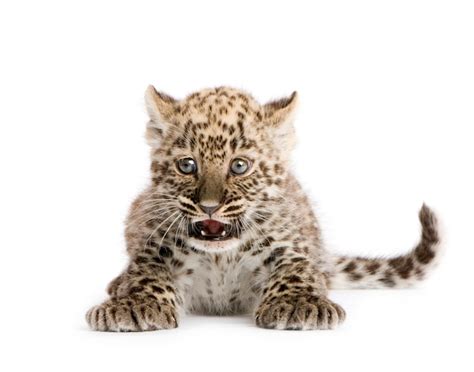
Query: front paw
[130,314]
[304,313]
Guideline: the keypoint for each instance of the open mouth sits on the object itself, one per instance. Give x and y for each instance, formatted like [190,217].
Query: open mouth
[211,230]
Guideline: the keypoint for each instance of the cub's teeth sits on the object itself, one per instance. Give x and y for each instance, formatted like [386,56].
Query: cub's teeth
[223,233]
[203,233]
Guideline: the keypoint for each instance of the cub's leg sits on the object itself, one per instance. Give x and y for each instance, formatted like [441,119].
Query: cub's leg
[295,296]
[143,298]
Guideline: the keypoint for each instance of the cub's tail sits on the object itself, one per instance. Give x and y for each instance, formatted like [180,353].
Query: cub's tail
[398,272]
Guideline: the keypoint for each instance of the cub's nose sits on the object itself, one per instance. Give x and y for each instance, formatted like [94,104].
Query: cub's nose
[209,209]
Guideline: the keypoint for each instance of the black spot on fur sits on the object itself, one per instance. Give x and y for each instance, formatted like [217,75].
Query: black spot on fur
[157,289]
[424,253]
[402,265]
[387,280]
[350,267]
[166,252]
[141,259]
[372,267]
[146,281]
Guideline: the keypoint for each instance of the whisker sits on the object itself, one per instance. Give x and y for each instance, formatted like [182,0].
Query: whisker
[166,232]
[155,214]
[177,232]
[147,207]
[156,229]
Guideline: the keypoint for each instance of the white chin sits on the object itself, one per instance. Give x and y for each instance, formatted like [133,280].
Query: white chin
[214,246]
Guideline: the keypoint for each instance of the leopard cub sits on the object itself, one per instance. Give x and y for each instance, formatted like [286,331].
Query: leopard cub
[225,228]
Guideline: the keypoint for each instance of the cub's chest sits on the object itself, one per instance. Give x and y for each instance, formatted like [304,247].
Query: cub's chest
[222,283]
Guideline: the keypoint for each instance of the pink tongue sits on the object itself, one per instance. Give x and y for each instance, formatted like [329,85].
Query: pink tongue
[212,226]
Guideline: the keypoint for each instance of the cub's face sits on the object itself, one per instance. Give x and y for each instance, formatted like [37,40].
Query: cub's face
[218,159]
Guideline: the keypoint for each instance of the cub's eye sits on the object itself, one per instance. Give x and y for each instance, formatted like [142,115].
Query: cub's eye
[186,165]
[239,166]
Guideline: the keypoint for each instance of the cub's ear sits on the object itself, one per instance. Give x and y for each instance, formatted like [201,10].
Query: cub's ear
[160,107]
[279,115]
[280,111]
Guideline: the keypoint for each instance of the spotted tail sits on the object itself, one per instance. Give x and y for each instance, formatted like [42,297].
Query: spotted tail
[398,272]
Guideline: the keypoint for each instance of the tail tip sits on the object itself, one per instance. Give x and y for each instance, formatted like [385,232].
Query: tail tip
[428,250]
[429,223]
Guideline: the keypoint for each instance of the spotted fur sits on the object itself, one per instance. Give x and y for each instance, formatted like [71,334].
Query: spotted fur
[274,266]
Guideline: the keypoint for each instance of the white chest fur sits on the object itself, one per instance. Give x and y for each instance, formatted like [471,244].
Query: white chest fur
[222,283]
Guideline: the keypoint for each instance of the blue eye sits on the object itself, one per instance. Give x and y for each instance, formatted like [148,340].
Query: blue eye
[187,165]
[239,166]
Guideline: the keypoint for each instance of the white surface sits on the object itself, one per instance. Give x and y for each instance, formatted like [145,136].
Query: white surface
[385,122]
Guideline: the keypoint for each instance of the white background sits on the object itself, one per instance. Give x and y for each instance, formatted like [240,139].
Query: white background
[385,123]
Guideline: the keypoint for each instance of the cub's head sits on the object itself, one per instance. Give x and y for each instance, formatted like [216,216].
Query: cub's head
[219,160]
